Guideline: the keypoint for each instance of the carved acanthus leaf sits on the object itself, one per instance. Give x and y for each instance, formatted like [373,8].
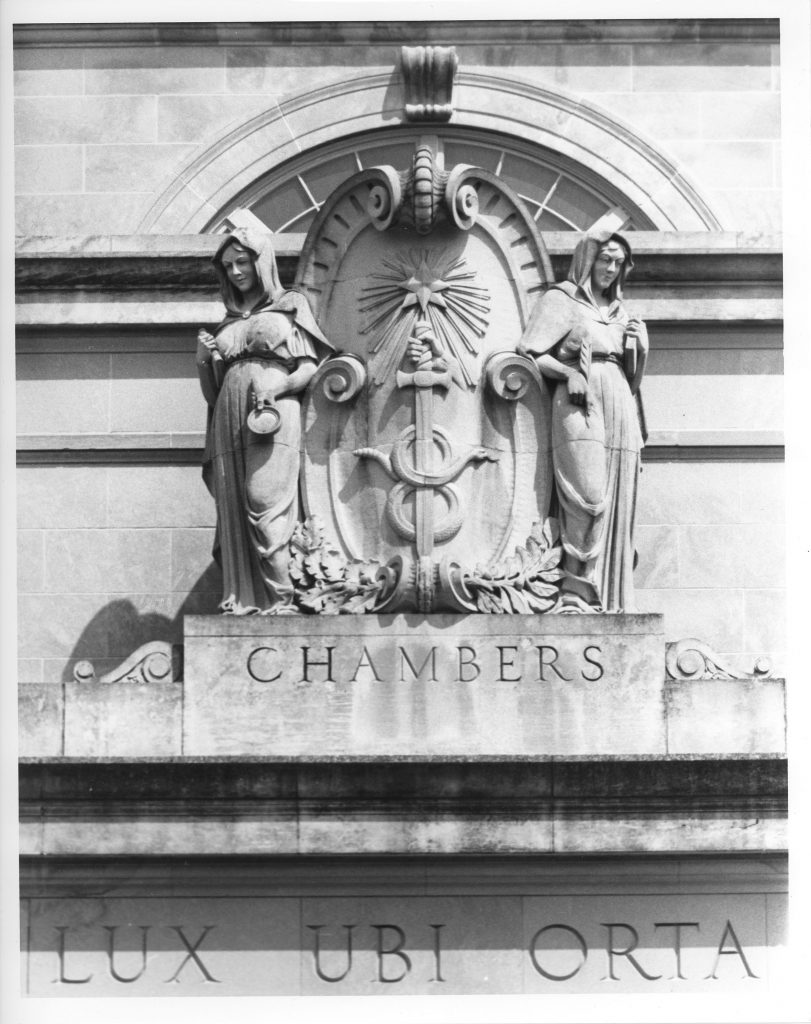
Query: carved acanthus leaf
[325,582]
[693,659]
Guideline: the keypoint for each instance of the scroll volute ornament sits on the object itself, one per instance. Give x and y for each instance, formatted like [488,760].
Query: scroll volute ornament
[423,195]
[428,74]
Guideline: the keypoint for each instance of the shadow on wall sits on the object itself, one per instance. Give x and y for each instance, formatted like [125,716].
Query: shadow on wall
[120,628]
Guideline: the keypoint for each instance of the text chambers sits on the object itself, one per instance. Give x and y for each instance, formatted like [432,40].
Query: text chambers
[396,662]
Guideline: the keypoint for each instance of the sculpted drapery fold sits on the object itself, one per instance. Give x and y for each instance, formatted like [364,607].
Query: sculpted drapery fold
[593,352]
[252,369]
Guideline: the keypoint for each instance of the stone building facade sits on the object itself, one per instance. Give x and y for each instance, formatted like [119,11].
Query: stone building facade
[137,144]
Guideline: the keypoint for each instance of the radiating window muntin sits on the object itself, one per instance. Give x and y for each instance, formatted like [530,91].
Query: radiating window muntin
[560,194]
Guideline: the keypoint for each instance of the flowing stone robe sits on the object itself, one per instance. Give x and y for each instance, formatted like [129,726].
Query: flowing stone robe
[254,478]
[595,449]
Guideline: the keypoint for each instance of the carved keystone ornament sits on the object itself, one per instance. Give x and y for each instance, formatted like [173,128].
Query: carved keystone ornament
[426,467]
[428,74]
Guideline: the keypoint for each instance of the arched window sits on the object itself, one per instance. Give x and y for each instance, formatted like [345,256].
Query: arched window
[560,194]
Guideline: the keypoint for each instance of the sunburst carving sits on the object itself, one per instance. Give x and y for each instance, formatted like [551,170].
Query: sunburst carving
[424,284]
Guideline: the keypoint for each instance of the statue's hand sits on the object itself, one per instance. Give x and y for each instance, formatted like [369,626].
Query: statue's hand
[206,346]
[423,347]
[414,349]
[578,389]
[637,330]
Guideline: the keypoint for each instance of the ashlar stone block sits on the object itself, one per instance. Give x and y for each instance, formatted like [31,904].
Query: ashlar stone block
[48,169]
[635,945]
[54,119]
[78,947]
[726,716]
[127,168]
[41,708]
[122,719]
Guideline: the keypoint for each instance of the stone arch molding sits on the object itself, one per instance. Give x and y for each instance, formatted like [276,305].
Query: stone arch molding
[561,123]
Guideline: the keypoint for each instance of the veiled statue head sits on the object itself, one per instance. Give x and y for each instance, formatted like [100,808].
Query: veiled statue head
[601,263]
[246,267]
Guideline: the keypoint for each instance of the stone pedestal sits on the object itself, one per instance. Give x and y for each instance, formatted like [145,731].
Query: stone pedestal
[439,685]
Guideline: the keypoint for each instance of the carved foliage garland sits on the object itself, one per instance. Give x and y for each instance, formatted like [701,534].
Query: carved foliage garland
[327,583]
[525,583]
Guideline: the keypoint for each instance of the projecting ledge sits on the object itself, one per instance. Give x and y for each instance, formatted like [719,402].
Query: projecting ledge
[193,807]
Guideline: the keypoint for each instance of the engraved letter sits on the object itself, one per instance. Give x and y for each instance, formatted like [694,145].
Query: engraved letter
[469,663]
[255,666]
[111,952]
[417,672]
[502,664]
[63,978]
[317,952]
[591,661]
[394,951]
[365,662]
[437,952]
[737,951]
[192,953]
[543,663]
[624,952]
[308,664]
[534,957]
[678,925]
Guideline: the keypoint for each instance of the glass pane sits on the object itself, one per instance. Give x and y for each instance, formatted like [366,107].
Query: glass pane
[282,204]
[528,177]
[575,203]
[469,153]
[324,178]
[396,154]
[549,222]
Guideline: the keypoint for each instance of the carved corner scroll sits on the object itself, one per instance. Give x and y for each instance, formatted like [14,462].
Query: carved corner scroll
[428,74]
[155,662]
[510,375]
[694,659]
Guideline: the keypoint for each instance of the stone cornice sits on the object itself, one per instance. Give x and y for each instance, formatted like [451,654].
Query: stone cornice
[181,263]
[700,804]
[396,33]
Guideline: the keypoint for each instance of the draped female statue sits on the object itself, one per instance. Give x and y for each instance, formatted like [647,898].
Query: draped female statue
[252,369]
[593,352]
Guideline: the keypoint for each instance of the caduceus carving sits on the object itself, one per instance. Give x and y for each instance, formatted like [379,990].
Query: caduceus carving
[423,475]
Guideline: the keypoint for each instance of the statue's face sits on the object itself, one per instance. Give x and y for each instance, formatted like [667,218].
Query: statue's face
[239,268]
[607,267]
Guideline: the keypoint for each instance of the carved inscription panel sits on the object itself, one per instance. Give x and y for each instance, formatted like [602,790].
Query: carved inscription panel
[408,945]
[476,684]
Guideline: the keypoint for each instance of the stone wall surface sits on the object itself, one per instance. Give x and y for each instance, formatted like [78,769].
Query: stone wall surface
[99,129]
[116,526]
[437,926]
